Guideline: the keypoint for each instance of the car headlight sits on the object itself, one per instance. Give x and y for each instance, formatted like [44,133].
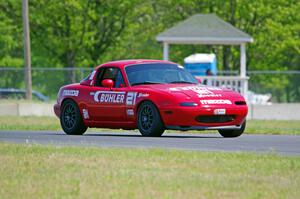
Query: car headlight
[188,104]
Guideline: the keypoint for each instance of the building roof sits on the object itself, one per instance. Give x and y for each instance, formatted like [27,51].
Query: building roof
[204,29]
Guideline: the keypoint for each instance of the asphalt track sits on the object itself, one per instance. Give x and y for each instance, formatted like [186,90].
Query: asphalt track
[279,144]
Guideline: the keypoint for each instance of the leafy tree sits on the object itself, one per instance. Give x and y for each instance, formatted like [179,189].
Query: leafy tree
[77,32]
[11,46]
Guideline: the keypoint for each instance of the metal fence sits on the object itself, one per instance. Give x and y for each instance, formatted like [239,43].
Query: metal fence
[44,80]
[283,86]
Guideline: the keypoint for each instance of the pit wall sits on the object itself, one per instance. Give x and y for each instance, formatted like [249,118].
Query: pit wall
[282,111]
[26,109]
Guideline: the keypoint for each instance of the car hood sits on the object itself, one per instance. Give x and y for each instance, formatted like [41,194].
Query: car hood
[197,91]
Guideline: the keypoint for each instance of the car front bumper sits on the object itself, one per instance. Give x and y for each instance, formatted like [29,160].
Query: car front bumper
[185,118]
[187,128]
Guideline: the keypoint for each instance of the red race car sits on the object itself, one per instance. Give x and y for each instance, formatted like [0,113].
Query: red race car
[151,95]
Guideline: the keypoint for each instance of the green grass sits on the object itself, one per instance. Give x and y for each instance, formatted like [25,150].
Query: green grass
[29,123]
[273,127]
[67,172]
[52,123]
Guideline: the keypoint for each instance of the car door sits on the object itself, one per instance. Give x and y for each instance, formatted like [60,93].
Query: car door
[108,104]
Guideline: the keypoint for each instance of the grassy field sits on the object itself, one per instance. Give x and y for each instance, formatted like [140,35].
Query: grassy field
[52,123]
[64,172]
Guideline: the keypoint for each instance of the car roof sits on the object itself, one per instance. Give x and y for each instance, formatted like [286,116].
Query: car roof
[123,63]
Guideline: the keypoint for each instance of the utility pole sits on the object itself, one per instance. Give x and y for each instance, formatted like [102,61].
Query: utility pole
[27,58]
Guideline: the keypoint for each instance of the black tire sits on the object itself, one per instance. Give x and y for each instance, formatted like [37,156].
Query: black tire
[149,121]
[233,133]
[70,119]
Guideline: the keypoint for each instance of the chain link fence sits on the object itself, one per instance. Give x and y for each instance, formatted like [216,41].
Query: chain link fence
[283,86]
[44,80]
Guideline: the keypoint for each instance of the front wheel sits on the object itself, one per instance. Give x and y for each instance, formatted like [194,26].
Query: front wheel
[70,119]
[233,133]
[149,121]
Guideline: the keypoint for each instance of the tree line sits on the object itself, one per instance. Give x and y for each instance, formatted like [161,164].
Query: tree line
[86,33]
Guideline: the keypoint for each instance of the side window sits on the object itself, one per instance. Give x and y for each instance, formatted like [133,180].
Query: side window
[99,76]
[119,82]
[110,73]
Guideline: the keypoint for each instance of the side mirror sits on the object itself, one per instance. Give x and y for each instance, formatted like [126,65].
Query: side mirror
[108,83]
[199,79]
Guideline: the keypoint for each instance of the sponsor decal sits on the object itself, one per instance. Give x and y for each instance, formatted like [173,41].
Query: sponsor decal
[174,89]
[214,88]
[210,95]
[115,97]
[71,93]
[131,98]
[85,114]
[109,97]
[130,112]
[221,101]
[196,89]
[200,91]
[143,95]
[220,111]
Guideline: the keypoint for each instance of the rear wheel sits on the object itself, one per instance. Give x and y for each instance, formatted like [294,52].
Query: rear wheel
[233,133]
[149,121]
[70,119]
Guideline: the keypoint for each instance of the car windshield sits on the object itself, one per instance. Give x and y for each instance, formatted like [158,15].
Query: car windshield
[158,73]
